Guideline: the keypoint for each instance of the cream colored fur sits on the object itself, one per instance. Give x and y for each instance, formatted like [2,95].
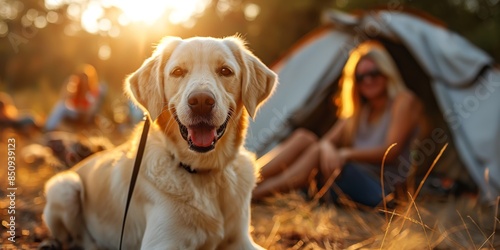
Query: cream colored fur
[171,208]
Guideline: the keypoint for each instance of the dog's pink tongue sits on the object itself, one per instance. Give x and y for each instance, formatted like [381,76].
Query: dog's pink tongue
[202,136]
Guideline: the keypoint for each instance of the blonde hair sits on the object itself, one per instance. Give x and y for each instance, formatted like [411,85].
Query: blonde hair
[349,100]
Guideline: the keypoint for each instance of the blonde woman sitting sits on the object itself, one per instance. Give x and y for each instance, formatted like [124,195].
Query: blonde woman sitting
[376,110]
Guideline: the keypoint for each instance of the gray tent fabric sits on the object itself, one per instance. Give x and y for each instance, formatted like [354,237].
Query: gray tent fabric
[301,76]
[443,54]
[473,115]
[471,105]
[463,79]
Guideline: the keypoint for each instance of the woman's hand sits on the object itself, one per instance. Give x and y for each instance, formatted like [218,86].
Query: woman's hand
[344,154]
[330,158]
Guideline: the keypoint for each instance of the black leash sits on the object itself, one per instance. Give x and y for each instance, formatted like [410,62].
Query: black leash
[135,172]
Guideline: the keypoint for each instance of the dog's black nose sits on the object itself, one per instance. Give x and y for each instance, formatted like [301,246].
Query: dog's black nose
[201,102]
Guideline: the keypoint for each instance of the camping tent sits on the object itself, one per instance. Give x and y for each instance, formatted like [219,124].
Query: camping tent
[458,82]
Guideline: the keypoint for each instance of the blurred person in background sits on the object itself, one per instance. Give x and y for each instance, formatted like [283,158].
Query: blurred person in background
[10,118]
[375,111]
[79,101]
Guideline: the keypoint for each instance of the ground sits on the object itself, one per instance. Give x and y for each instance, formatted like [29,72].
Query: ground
[287,221]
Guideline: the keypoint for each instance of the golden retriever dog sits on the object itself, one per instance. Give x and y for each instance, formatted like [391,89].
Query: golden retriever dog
[194,187]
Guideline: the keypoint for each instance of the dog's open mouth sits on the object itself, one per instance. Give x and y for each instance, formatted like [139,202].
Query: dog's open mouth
[202,137]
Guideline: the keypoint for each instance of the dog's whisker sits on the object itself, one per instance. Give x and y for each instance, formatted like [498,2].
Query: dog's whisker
[174,113]
[231,118]
[170,123]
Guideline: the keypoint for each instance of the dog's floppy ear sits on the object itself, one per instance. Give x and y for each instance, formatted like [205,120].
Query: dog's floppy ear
[145,86]
[257,80]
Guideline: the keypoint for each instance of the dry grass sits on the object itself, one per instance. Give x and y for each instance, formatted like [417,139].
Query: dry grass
[288,221]
[291,222]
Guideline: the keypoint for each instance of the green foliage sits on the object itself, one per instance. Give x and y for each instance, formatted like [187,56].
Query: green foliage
[476,20]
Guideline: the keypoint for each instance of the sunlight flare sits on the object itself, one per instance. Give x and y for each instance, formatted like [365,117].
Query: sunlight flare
[146,12]
[149,11]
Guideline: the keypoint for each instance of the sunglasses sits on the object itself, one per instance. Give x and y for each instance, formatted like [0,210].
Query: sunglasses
[372,74]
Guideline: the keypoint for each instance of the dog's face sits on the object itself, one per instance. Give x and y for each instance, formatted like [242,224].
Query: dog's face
[201,85]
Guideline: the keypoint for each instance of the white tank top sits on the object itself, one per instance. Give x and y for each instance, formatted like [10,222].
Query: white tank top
[369,135]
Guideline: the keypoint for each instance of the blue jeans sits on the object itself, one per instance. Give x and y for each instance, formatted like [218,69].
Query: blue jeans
[62,113]
[359,185]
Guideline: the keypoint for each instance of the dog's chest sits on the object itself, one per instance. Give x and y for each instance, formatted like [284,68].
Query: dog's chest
[216,204]
[228,208]
[225,194]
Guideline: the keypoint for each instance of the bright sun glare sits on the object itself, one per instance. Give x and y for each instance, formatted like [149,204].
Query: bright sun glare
[148,11]
[91,13]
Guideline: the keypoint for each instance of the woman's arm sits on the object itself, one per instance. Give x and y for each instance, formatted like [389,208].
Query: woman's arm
[334,135]
[329,159]
[406,112]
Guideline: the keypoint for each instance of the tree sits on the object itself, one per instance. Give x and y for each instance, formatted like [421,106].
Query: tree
[31,52]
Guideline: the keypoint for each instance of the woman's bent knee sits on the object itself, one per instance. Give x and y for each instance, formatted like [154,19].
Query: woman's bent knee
[306,136]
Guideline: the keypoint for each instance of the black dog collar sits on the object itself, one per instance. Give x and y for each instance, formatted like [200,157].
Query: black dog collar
[191,170]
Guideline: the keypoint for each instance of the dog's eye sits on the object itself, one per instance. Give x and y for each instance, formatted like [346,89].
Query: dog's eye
[225,71]
[177,72]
